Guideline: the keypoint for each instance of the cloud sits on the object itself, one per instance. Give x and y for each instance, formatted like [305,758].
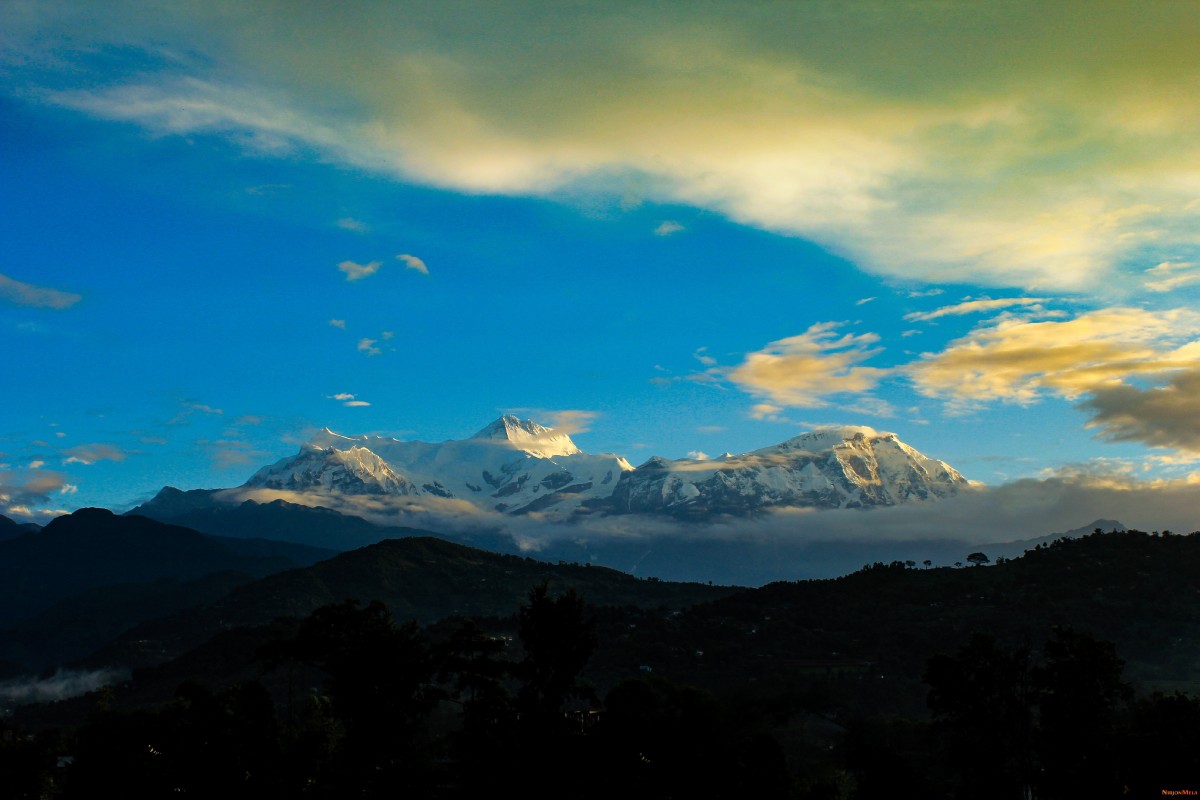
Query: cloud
[805,370]
[704,358]
[356,272]
[769,412]
[974,307]
[190,408]
[1160,416]
[412,262]
[62,684]
[88,454]
[37,464]
[26,294]
[864,301]
[903,135]
[230,452]
[68,488]
[338,323]
[1017,360]
[668,227]
[1169,276]
[21,492]
[351,224]
[347,399]
[698,455]
[368,346]
[566,421]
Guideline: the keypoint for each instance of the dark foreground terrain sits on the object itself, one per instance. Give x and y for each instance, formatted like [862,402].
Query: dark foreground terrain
[421,668]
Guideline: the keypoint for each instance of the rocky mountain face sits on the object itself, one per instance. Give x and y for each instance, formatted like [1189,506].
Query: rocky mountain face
[519,467]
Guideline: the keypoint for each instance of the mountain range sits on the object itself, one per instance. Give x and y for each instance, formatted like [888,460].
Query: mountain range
[517,467]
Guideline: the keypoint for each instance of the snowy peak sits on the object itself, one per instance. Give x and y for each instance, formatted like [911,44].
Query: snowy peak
[527,435]
[837,467]
[823,439]
[516,466]
[355,470]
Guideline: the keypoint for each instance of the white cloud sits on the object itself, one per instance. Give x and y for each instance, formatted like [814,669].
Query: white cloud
[414,263]
[26,294]
[356,404]
[864,301]
[356,272]
[351,224]
[975,307]
[338,323]
[341,396]
[699,455]
[668,227]
[37,464]
[368,346]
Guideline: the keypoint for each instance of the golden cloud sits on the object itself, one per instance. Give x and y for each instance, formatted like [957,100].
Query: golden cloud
[1033,145]
[1018,360]
[805,370]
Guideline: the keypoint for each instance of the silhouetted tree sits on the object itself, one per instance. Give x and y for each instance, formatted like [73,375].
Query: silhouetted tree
[981,696]
[1079,690]
[379,678]
[558,639]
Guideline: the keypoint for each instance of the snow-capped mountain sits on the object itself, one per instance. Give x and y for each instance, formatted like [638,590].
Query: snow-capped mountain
[517,467]
[845,467]
[512,465]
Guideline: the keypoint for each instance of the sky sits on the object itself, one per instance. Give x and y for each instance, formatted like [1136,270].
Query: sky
[666,228]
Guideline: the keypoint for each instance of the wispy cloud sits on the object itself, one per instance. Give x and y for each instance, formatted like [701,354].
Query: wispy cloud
[414,263]
[568,421]
[1170,275]
[91,453]
[1032,164]
[806,370]
[338,323]
[356,272]
[27,294]
[367,346]
[231,452]
[975,307]
[190,408]
[668,227]
[351,224]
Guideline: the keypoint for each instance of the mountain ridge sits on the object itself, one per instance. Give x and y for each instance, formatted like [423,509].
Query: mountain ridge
[519,467]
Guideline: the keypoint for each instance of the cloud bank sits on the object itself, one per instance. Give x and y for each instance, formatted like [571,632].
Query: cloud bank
[1015,141]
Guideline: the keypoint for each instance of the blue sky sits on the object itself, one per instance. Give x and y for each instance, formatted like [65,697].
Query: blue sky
[665,228]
